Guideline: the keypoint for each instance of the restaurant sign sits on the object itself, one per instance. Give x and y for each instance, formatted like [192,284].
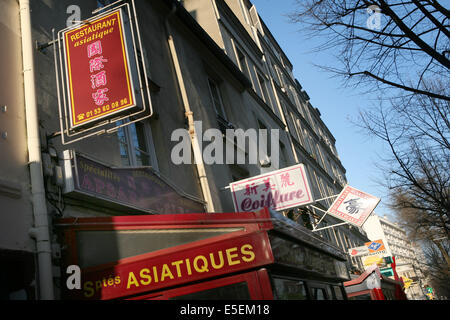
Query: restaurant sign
[98,71]
[353,206]
[138,188]
[277,190]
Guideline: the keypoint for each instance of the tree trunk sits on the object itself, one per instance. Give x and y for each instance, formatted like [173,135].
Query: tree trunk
[443,251]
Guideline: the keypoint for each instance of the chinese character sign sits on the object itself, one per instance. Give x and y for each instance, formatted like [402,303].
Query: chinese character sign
[353,206]
[278,190]
[98,72]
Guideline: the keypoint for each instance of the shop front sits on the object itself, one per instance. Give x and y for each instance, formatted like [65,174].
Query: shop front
[245,255]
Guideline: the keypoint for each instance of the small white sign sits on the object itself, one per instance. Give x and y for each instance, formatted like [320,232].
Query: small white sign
[278,190]
[358,251]
[353,206]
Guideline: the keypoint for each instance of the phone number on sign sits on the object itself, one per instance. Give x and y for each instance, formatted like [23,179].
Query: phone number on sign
[103,109]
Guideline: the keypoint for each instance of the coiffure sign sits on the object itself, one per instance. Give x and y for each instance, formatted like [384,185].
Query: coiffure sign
[98,71]
[278,190]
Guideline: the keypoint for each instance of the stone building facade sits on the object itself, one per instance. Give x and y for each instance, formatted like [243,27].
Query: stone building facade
[209,61]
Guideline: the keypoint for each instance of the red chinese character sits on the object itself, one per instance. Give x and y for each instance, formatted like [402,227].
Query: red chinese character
[100,97]
[250,189]
[96,64]
[94,48]
[98,79]
[285,180]
[268,185]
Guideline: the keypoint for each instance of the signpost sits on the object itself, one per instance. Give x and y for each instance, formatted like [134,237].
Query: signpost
[281,189]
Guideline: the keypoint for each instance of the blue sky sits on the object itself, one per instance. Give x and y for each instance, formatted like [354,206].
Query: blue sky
[337,104]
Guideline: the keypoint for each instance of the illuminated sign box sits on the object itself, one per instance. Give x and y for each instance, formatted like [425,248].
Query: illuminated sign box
[100,70]
[133,190]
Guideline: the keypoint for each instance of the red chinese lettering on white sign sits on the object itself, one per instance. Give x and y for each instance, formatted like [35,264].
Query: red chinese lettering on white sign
[278,190]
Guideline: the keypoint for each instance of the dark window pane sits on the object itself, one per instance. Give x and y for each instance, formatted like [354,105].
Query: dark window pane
[319,294]
[285,289]
[235,291]
[361,297]
[338,293]
[123,147]
[99,247]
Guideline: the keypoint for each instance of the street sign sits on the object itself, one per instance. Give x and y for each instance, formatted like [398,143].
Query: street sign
[353,206]
[278,190]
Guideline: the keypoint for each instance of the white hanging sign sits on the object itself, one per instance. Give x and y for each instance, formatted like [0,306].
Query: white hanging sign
[353,206]
[278,190]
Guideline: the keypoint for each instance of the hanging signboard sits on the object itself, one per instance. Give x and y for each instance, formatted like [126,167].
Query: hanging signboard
[98,69]
[353,206]
[278,190]
[133,189]
[101,78]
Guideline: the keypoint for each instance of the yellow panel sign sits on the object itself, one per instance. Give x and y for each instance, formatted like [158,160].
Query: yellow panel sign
[370,260]
[406,281]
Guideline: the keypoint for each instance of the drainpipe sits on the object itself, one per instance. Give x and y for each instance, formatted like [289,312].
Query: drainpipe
[40,231]
[190,117]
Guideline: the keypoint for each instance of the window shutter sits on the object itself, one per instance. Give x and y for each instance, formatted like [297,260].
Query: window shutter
[255,19]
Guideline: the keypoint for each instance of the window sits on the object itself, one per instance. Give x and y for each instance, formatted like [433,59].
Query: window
[103,3]
[216,98]
[277,74]
[238,172]
[136,145]
[337,291]
[282,160]
[298,136]
[235,291]
[307,141]
[346,241]
[324,233]
[242,60]
[289,289]
[267,144]
[263,87]
[319,294]
[244,11]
